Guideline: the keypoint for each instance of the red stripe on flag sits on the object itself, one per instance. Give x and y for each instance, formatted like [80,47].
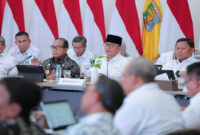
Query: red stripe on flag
[128,13]
[96,7]
[73,9]
[16,7]
[2,8]
[48,12]
[180,10]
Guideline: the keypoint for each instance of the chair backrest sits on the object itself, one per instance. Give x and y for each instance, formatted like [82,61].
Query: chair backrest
[185,132]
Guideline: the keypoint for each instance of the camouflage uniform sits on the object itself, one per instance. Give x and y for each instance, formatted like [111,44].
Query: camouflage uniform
[66,63]
[19,127]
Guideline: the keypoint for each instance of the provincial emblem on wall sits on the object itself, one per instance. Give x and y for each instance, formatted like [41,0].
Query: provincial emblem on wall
[151,16]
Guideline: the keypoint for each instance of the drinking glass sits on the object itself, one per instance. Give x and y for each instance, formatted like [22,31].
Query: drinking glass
[67,73]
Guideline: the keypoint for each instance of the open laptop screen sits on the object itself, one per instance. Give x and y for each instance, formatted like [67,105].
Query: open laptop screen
[34,73]
[58,114]
[169,73]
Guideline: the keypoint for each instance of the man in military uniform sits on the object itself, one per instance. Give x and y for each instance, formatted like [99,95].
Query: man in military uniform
[59,52]
[17,98]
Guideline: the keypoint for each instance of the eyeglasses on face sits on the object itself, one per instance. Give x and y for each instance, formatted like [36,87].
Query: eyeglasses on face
[78,48]
[110,45]
[56,47]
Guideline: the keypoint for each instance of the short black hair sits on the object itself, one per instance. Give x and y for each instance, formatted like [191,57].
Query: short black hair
[23,92]
[187,40]
[2,40]
[111,93]
[21,33]
[81,39]
[194,70]
[65,42]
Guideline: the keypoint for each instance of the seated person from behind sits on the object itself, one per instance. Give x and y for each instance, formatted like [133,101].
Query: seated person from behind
[17,98]
[113,65]
[191,114]
[59,52]
[99,102]
[80,53]
[6,61]
[24,49]
[146,110]
[184,56]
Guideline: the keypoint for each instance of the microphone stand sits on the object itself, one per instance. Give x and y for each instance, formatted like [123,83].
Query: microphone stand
[17,64]
[107,65]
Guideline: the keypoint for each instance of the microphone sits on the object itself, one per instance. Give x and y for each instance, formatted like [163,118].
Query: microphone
[28,57]
[107,59]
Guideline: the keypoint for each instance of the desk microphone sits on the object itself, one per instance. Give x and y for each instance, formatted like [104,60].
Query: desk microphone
[28,57]
[107,65]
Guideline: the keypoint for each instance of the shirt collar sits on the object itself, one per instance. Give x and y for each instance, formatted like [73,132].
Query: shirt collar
[195,98]
[190,59]
[115,58]
[2,54]
[96,117]
[145,87]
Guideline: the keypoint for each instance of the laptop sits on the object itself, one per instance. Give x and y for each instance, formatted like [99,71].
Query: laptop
[58,114]
[34,73]
[170,73]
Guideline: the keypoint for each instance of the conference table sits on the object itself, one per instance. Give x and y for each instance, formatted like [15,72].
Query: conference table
[73,94]
[55,92]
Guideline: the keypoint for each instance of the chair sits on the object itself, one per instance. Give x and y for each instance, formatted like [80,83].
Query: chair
[185,132]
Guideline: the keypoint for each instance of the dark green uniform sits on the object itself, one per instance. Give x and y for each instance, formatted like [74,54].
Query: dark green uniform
[65,62]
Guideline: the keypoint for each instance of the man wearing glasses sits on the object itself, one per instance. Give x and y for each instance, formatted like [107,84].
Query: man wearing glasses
[80,53]
[113,66]
[24,49]
[191,114]
[59,52]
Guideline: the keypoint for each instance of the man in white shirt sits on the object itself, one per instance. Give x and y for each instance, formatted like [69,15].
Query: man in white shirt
[146,110]
[113,65]
[165,58]
[24,50]
[191,114]
[105,97]
[80,54]
[184,56]
[7,62]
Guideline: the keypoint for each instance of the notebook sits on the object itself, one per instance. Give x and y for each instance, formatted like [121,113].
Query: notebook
[58,114]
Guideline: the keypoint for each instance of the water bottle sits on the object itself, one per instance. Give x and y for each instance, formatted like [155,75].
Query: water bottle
[58,72]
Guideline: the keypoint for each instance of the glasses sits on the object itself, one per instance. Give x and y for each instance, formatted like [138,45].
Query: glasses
[109,45]
[184,83]
[56,47]
[78,48]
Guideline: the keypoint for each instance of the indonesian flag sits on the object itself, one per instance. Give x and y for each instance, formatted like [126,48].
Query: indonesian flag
[94,26]
[176,23]
[125,23]
[69,23]
[11,20]
[44,27]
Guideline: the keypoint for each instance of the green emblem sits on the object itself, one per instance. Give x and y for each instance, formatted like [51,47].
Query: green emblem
[151,16]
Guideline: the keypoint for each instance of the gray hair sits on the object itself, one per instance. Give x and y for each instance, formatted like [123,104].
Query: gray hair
[142,68]
[2,40]
[81,39]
